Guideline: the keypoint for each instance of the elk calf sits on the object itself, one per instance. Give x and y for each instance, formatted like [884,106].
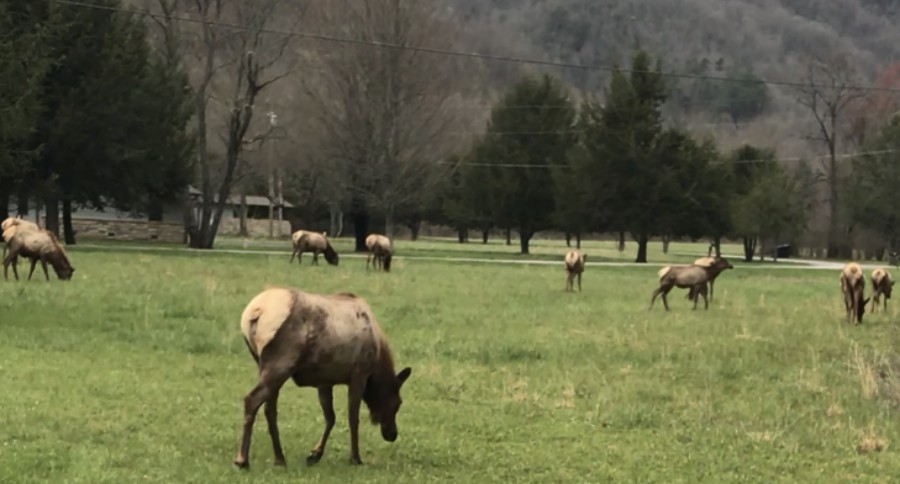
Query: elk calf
[574,268]
[853,285]
[882,284]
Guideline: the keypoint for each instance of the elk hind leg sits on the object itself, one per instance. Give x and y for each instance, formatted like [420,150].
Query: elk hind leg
[269,384]
[271,411]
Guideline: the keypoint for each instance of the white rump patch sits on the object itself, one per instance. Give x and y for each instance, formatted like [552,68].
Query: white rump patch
[264,315]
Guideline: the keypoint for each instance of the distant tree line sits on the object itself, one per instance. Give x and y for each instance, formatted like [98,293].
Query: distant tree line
[613,166]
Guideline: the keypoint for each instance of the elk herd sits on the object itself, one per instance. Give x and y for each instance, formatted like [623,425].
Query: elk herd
[323,340]
[22,238]
[699,278]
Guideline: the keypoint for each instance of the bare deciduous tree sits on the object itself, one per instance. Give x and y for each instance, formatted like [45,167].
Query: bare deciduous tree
[385,112]
[827,93]
[231,57]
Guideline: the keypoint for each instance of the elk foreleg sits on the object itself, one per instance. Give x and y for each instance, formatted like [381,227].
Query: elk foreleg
[355,391]
[326,401]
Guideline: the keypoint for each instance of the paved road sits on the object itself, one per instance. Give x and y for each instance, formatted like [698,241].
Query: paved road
[782,264]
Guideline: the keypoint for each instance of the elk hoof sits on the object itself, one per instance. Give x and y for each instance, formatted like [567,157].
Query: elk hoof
[279,461]
[313,458]
[355,460]
[241,463]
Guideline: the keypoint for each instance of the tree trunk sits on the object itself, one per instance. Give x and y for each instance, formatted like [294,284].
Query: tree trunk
[414,230]
[484,236]
[718,244]
[665,241]
[155,209]
[188,218]
[243,214]
[389,222]
[749,248]
[22,203]
[461,236]
[336,220]
[360,228]
[578,241]
[621,244]
[524,238]
[68,229]
[51,204]
[568,239]
[833,249]
[5,188]
[508,236]
[642,240]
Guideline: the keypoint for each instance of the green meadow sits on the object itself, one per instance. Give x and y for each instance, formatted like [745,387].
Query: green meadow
[135,371]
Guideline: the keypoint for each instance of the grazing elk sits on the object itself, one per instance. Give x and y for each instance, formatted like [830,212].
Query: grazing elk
[319,341]
[882,285]
[853,285]
[37,245]
[307,241]
[381,249]
[575,261]
[691,276]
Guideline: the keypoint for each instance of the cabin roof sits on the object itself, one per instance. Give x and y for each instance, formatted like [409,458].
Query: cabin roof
[252,200]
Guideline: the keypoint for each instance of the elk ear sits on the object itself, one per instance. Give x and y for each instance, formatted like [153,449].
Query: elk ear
[403,375]
[865,301]
[892,283]
[584,257]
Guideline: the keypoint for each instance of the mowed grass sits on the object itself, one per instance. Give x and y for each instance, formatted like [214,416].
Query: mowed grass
[425,248]
[135,372]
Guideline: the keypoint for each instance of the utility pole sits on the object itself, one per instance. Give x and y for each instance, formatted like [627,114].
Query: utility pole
[271,165]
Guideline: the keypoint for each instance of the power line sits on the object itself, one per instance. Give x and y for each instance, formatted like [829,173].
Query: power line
[452,53]
[727,162]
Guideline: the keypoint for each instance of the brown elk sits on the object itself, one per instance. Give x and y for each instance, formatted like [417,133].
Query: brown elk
[853,286]
[882,285]
[319,341]
[307,241]
[37,245]
[575,261]
[381,249]
[691,276]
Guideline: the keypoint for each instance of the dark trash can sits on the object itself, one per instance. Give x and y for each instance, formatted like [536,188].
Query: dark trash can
[783,251]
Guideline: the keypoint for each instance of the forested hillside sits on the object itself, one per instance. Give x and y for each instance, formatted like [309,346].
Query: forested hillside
[769,39]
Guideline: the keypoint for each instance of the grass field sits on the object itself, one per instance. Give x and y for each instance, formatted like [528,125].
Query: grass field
[135,372]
